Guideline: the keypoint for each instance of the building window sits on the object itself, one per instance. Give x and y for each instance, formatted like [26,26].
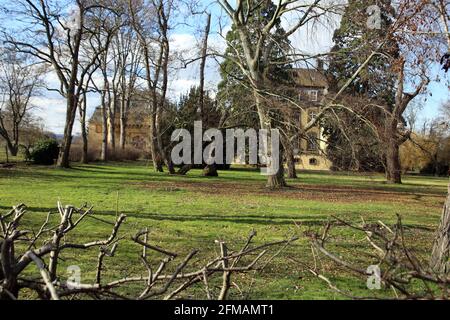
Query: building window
[313,95]
[312,142]
[313,162]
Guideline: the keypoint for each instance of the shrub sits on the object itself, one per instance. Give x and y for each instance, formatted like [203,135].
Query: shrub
[45,152]
[76,152]
[94,152]
[128,154]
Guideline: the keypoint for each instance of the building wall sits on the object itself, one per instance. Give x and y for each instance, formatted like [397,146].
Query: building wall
[308,159]
[136,135]
[321,163]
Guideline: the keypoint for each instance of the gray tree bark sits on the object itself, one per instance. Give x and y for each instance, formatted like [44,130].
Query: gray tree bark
[209,170]
[64,153]
[290,159]
[112,122]
[440,256]
[83,109]
[393,167]
[104,151]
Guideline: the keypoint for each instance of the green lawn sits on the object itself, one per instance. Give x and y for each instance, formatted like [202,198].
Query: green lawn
[190,212]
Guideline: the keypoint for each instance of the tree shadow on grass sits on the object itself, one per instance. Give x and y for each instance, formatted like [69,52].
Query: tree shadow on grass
[249,219]
[246,219]
[111,173]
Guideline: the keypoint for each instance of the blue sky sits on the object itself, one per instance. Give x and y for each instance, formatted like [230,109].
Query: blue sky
[185,38]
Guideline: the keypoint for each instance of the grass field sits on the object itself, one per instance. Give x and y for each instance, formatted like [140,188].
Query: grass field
[189,212]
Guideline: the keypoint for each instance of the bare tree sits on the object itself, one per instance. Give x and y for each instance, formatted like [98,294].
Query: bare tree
[421,44]
[393,134]
[84,134]
[104,28]
[128,47]
[83,104]
[150,20]
[19,82]
[53,35]
[209,170]
[105,94]
[127,60]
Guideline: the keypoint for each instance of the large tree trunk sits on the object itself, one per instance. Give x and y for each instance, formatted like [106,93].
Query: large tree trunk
[12,148]
[104,151]
[164,159]
[291,171]
[394,170]
[210,171]
[112,123]
[123,122]
[393,167]
[275,181]
[290,159]
[64,152]
[123,125]
[84,153]
[436,168]
[185,169]
[10,287]
[156,156]
[204,52]
[440,257]
[164,63]
[168,161]
[170,166]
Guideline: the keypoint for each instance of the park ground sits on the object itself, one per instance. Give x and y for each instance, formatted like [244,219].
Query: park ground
[191,212]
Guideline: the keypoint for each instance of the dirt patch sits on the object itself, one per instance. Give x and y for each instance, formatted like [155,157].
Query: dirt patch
[330,193]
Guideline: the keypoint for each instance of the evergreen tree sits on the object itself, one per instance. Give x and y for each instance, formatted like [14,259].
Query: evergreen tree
[354,41]
[372,95]
[188,110]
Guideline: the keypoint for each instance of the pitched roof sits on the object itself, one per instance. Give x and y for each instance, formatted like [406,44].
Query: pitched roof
[310,78]
[138,113]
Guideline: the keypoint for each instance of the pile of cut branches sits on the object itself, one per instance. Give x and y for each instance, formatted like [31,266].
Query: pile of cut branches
[166,278]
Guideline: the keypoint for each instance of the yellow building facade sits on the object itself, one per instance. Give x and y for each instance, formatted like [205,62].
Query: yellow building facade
[310,149]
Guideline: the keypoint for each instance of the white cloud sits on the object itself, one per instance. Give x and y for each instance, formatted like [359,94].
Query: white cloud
[52,111]
[180,86]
